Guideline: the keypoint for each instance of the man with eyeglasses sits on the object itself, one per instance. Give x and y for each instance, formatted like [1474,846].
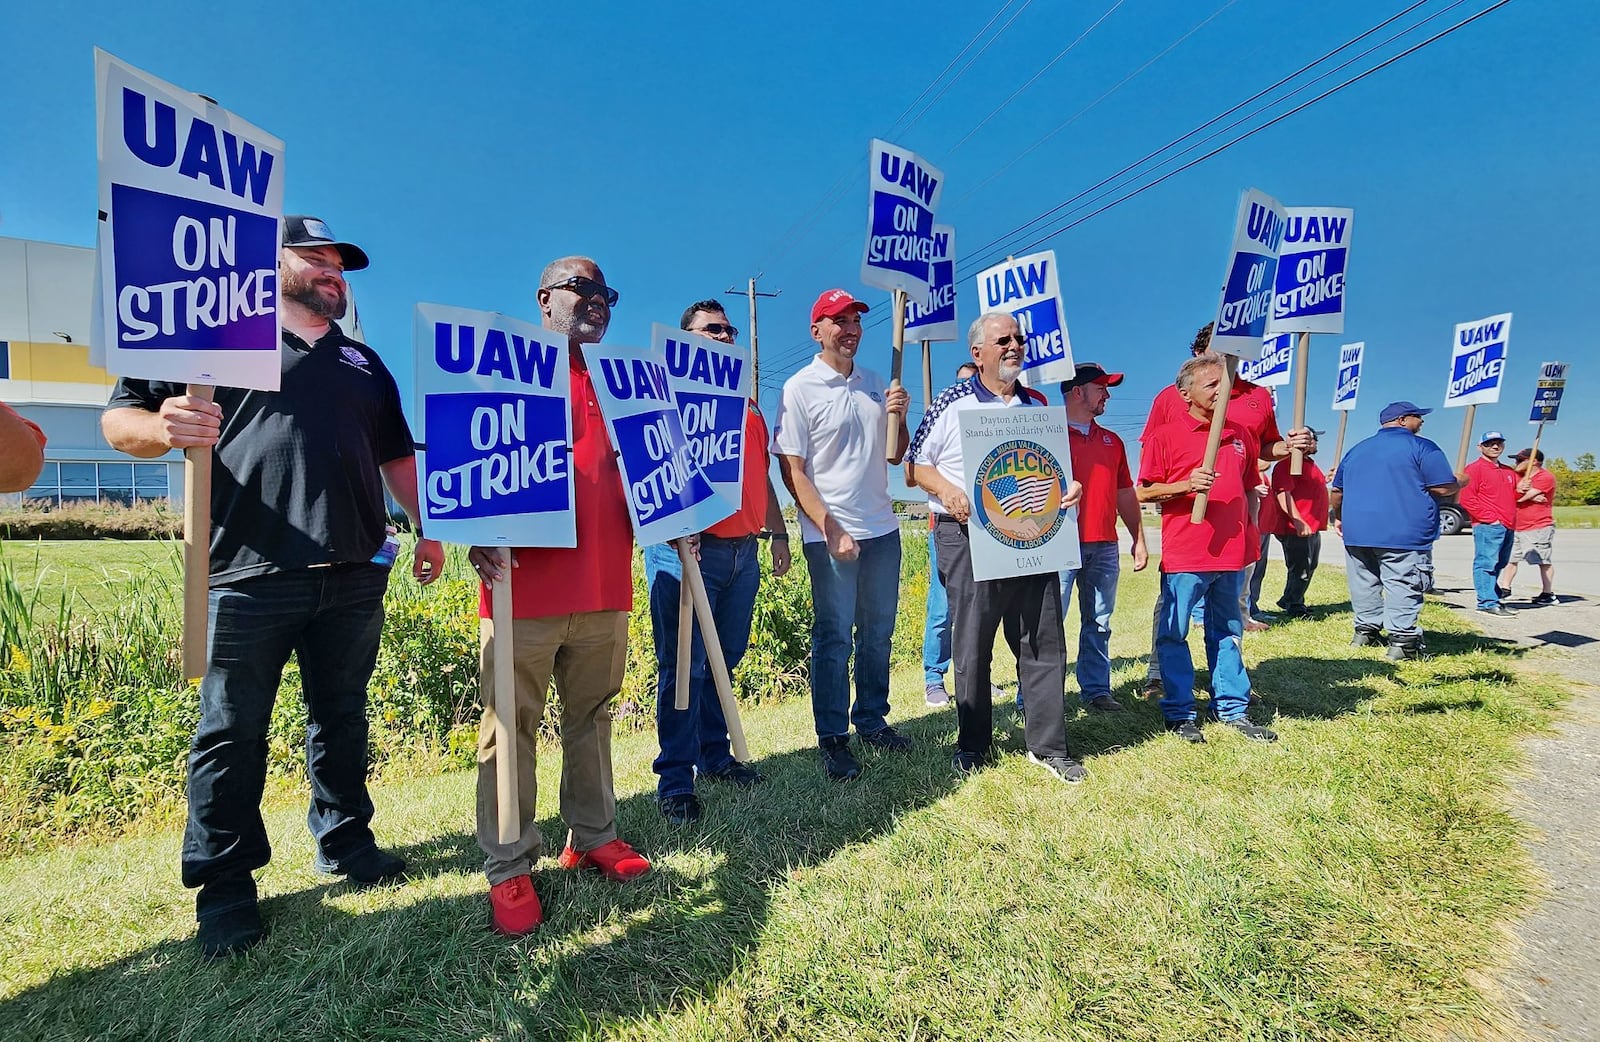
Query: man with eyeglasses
[694,742]
[297,566]
[1385,506]
[1489,496]
[831,438]
[1031,602]
[570,607]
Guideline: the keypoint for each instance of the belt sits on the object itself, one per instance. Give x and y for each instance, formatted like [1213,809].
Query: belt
[947,518]
[705,536]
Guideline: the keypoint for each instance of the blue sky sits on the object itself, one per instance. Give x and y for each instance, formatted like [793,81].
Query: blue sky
[689,146]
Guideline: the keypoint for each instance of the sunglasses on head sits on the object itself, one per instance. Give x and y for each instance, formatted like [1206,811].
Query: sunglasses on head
[717,329]
[586,287]
[1009,339]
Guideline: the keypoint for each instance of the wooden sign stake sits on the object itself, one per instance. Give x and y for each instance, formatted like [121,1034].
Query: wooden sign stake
[1466,438]
[896,366]
[196,548]
[927,373]
[1338,442]
[505,704]
[1302,362]
[1219,417]
[685,644]
[708,636]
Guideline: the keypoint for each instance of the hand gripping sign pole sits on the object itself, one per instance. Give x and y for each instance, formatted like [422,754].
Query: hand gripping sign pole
[1219,417]
[896,367]
[1302,362]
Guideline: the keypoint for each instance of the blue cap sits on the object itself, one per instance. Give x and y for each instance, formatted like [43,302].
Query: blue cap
[1491,436]
[1394,410]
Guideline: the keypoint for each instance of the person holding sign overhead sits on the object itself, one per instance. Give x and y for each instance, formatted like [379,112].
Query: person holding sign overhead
[830,438]
[694,742]
[299,564]
[1201,563]
[1031,602]
[570,607]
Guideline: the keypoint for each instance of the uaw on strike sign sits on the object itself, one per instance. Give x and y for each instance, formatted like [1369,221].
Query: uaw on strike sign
[1478,361]
[190,201]
[710,385]
[902,198]
[1030,289]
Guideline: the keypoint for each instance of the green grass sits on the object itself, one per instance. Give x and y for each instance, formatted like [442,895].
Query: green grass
[1353,881]
[95,571]
[1578,517]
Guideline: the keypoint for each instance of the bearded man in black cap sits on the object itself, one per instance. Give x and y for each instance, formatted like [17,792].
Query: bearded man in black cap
[300,560]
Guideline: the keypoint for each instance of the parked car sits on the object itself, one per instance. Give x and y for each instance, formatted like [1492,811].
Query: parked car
[1452,519]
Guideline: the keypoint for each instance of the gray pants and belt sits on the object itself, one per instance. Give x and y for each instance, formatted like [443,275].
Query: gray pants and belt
[1386,589]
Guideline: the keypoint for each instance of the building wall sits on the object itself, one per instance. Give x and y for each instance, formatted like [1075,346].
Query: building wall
[46,293]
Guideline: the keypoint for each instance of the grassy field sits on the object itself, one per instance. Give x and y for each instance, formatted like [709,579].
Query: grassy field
[1578,517]
[1352,881]
[95,571]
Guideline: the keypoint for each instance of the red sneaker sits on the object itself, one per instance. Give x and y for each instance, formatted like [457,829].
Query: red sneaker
[514,907]
[615,860]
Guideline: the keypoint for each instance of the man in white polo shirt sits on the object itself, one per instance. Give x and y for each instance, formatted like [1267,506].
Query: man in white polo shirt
[978,608]
[830,438]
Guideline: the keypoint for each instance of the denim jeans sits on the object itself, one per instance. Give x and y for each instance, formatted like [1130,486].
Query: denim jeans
[1385,589]
[855,603]
[1097,599]
[1491,549]
[697,738]
[330,619]
[936,632]
[1230,684]
[1258,575]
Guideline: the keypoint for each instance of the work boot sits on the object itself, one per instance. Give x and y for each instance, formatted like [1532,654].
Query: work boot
[1366,637]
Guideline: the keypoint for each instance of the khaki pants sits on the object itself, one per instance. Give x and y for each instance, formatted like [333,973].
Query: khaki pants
[586,653]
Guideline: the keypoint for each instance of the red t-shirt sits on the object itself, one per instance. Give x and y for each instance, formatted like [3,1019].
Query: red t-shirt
[1222,541]
[1309,492]
[1531,515]
[1490,495]
[597,574]
[751,517]
[1100,464]
[1249,409]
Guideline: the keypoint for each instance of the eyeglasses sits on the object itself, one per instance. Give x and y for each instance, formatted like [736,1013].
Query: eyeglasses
[1009,339]
[586,287]
[717,329]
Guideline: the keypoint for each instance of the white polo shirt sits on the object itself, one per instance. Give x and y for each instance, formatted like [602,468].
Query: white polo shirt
[839,426]
[937,442]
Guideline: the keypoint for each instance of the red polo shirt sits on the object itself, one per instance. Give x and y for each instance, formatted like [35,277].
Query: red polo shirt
[1531,515]
[1309,492]
[1249,409]
[1100,464]
[1221,542]
[751,517]
[597,574]
[1490,495]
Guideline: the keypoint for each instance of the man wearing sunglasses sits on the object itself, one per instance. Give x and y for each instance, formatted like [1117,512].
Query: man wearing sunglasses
[571,622]
[1030,602]
[831,437]
[694,742]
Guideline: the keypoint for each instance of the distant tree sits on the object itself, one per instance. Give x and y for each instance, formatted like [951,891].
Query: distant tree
[1584,463]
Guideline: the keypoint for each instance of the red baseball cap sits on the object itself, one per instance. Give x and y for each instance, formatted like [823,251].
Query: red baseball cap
[1092,373]
[834,303]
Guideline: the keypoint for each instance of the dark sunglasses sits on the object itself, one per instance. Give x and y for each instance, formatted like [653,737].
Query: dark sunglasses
[586,287]
[717,329]
[1008,340]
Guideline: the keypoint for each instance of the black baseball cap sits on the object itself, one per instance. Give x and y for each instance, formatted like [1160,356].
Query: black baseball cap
[302,230]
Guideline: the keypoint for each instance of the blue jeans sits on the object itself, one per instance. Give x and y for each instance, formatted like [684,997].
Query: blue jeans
[855,604]
[1258,575]
[331,619]
[1491,549]
[1097,599]
[697,738]
[936,632]
[1230,684]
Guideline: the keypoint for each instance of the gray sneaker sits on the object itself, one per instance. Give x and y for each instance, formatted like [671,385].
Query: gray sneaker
[936,695]
[1064,767]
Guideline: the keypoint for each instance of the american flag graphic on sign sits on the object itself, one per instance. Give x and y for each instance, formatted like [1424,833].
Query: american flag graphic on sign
[1025,495]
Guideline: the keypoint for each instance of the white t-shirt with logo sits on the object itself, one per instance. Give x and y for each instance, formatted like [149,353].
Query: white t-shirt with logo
[839,426]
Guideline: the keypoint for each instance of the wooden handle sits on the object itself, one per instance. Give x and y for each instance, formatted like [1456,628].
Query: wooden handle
[1338,444]
[680,700]
[505,706]
[1302,362]
[1533,454]
[896,366]
[196,548]
[719,665]
[1466,438]
[1219,418]
[927,373]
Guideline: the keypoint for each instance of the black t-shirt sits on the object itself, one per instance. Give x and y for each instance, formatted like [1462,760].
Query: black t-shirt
[295,480]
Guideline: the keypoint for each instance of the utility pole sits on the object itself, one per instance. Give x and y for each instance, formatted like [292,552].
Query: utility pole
[755,348]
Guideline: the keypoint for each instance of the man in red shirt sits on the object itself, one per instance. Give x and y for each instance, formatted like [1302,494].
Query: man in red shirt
[1535,524]
[1201,563]
[1489,496]
[570,608]
[1100,463]
[694,742]
[1250,409]
[1299,507]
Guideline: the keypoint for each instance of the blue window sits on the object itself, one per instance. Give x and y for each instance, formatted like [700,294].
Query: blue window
[5,360]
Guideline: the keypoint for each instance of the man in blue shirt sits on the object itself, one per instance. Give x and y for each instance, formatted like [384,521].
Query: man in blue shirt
[1385,502]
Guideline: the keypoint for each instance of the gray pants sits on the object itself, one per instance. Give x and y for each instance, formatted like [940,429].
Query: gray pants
[1386,589]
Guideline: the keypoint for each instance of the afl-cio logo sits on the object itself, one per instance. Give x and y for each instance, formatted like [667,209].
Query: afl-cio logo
[1016,494]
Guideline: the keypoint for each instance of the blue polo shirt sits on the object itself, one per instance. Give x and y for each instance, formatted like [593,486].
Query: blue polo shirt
[1385,481]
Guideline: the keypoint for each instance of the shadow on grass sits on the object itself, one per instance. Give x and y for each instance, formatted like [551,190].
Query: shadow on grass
[432,969]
